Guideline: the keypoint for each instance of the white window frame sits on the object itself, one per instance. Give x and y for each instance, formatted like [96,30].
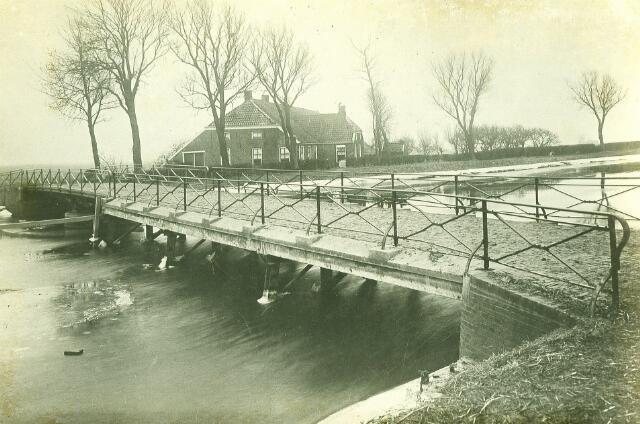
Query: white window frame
[193,152]
[304,149]
[257,135]
[255,157]
[284,154]
[341,147]
[228,155]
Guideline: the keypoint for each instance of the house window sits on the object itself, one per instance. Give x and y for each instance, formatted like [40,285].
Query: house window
[341,153]
[308,152]
[193,158]
[256,135]
[227,135]
[256,156]
[284,154]
[228,155]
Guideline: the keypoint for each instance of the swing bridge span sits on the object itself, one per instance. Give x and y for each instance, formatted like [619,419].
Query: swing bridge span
[416,231]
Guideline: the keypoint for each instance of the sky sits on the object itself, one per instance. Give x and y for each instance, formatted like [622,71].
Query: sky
[538,47]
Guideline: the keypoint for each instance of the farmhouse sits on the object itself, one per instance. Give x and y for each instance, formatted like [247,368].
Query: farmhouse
[255,138]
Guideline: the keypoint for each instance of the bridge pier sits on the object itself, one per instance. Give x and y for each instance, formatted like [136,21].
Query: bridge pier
[148,232]
[170,250]
[327,281]
[272,268]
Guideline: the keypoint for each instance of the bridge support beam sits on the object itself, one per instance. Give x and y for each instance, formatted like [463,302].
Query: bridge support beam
[272,268]
[97,214]
[327,281]
[170,250]
[148,232]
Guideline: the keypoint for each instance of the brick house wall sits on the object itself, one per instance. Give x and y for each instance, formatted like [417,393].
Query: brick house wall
[240,145]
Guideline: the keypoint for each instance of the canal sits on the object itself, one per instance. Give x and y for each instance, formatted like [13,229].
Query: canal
[185,345]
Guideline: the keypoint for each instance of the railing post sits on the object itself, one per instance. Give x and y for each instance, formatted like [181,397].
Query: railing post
[455,193]
[158,192]
[535,185]
[395,218]
[238,179]
[262,201]
[319,226]
[342,187]
[267,183]
[301,195]
[615,263]
[184,194]
[219,199]
[59,178]
[485,236]
[135,198]
[114,178]
[69,179]
[81,181]
[41,177]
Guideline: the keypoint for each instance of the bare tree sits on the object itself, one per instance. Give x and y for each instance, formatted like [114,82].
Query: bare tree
[600,93]
[456,139]
[130,37]
[214,44]
[77,86]
[284,68]
[377,101]
[463,79]
[429,144]
[541,137]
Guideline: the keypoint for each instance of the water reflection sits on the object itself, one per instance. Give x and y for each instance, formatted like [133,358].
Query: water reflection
[183,345]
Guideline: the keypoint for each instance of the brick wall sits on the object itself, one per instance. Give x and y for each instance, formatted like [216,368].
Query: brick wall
[241,145]
[495,319]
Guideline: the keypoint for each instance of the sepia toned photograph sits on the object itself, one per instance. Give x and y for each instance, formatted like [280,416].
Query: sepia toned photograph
[334,212]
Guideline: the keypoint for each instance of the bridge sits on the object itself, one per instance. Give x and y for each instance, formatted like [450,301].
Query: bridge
[415,231]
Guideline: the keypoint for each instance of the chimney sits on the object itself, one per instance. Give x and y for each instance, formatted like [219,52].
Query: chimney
[265,98]
[342,110]
[247,95]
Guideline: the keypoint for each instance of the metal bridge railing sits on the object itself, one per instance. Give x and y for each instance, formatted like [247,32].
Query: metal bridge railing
[565,245]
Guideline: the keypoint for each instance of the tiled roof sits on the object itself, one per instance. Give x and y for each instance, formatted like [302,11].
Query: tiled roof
[309,126]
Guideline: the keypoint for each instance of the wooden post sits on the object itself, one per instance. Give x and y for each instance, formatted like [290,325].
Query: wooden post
[95,239]
[148,232]
[615,264]
[395,218]
[326,280]
[171,247]
[272,268]
[485,236]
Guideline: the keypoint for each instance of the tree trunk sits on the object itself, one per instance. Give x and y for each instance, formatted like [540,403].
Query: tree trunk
[471,148]
[600,136]
[290,139]
[222,143]
[94,146]
[135,131]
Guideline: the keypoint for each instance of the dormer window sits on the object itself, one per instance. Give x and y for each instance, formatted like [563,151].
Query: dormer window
[256,135]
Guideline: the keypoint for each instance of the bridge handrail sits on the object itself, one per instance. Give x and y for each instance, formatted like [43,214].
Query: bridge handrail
[141,186]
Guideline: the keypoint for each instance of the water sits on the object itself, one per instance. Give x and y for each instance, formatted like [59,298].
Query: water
[183,345]
[621,195]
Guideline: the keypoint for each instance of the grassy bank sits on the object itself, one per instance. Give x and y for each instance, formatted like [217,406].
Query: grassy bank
[589,373]
[457,165]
